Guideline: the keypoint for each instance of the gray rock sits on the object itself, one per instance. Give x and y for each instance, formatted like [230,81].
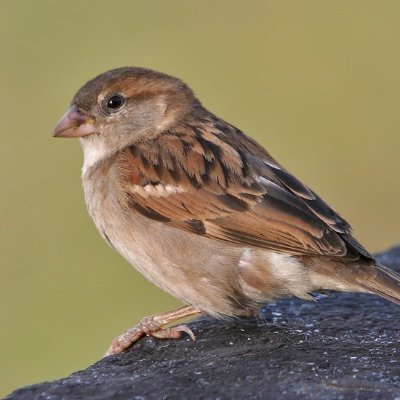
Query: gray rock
[345,346]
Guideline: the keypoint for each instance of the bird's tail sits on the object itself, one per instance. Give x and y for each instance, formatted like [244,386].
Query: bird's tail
[379,280]
[367,276]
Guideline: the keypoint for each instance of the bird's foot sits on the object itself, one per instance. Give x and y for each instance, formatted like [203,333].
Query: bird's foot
[154,326]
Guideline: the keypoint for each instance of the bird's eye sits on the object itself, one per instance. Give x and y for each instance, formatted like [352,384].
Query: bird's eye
[115,102]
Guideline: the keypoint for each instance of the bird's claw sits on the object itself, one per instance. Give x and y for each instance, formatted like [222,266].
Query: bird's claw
[150,326]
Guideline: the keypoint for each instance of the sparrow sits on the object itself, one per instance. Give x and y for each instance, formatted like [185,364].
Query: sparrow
[201,209]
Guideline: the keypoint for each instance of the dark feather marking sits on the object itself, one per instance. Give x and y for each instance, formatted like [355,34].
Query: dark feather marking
[245,165]
[145,161]
[133,150]
[196,226]
[234,203]
[357,246]
[159,166]
[195,183]
[322,209]
[175,172]
[227,175]
[187,147]
[148,212]
[293,183]
[208,166]
[215,150]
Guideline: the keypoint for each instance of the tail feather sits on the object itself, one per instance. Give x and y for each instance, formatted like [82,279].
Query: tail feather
[379,280]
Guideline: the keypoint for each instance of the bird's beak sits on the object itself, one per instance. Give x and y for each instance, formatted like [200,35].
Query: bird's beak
[74,124]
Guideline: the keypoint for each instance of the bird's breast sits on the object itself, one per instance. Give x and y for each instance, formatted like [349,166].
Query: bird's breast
[195,269]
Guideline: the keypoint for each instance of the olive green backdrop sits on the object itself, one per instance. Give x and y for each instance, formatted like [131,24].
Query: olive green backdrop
[316,82]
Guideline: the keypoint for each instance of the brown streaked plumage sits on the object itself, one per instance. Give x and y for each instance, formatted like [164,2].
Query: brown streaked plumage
[202,210]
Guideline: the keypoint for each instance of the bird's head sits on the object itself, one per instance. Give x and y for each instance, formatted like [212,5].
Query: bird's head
[123,106]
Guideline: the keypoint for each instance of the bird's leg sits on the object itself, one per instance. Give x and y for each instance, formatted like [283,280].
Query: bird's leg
[153,326]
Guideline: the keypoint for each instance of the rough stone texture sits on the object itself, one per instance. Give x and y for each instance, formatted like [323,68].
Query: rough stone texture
[345,346]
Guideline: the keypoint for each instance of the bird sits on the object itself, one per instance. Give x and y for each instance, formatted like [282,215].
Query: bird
[201,209]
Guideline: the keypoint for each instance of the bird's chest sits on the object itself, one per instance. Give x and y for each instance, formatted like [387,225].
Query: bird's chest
[191,268]
[142,242]
[105,202]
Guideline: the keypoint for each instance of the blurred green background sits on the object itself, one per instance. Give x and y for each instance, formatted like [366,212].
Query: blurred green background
[316,82]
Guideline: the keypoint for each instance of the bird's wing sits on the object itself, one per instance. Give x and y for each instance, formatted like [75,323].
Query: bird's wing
[210,179]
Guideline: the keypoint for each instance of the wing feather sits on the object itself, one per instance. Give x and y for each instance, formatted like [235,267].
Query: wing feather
[208,178]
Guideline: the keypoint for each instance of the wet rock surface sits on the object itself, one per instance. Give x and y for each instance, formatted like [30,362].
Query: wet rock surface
[345,346]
